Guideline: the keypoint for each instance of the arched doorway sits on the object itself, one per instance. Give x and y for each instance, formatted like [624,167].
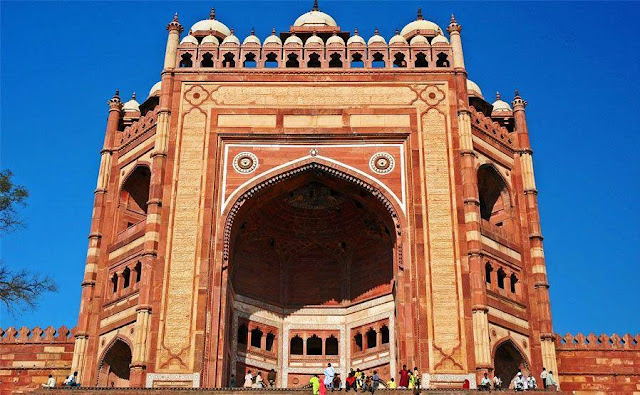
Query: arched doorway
[507,361]
[311,262]
[114,367]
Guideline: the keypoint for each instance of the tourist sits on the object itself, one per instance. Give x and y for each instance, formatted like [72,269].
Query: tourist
[412,381]
[360,379]
[375,381]
[417,377]
[51,382]
[404,377]
[350,382]
[497,382]
[72,380]
[532,385]
[551,382]
[323,388]
[271,378]
[258,381]
[543,377]
[232,382]
[485,383]
[315,384]
[518,382]
[248,380]
[329,372]
[391,384]
[337,383]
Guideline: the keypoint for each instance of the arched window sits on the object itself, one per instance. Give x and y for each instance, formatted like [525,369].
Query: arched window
[134,196]
[336,60]
[296,345]
[271,61]
[487,272]
[269,341]
[256,338]
[378,60]
[292,61]
[356,61]
[229,60]
[250,60]
[138,270]
[399,60]
[514,280]
[501,276]
[243,333]
[186,61]
[207,60]
[114,282]
[314,60]
[494,196]
[331,346]
[126,277]
[421,60]
[372,338]
[443,60]
[384,332]
[358,341]
[314,345]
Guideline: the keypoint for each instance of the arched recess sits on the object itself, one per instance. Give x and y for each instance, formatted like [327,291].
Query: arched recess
[134,195]
[114,369]
[507,360]
[494,195]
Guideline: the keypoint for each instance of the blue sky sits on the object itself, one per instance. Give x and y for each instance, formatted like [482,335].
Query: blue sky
[577,64]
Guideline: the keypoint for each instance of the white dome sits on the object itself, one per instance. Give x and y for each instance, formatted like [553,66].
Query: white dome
[356,39]
[398,39]
[231,39]
[252,39]
[419,40]
[211,24]
[132,105]
[473,89]
[420,25]
[439,39]
[335,39]
[376,38]
[273,39]
[189,39]
[314,40]
[155,89]
[292,39]
[500,106]
[315,18]
[210,39]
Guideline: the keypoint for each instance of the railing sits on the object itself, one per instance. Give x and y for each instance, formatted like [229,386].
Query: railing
[595,342]
[37,335]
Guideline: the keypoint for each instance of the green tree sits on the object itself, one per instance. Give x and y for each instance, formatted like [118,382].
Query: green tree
[18,289]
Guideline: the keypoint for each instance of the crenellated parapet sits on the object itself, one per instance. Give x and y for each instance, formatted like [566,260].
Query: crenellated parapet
[49,334]
[597,342]
[140,127]
[492,128]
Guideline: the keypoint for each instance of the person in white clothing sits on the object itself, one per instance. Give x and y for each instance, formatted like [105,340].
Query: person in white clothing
[485,384]
[248,380]
[497,382]
[51,382]
[329,373]
[543,377]
[259,383]
[531,383]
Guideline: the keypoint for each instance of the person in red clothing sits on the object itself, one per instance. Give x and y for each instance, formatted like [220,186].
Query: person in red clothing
[351,382]
[404,377]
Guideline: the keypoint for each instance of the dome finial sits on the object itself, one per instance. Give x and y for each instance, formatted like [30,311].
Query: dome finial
[518,93]
[212,14]
[375,32]
[175,17]
[419,13]
[253,31]
[397,32]
[232,32]
[133,96]
[315,5]
[355,31]
[273,31]
[117,94]
[498,96]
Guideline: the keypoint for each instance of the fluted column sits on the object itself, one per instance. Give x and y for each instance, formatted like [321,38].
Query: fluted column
[95,237]
[536,252]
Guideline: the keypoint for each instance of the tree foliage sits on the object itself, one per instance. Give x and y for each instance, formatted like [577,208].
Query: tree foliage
[18,289]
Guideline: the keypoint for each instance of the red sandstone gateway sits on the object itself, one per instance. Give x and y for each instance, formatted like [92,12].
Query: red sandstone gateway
[315,198]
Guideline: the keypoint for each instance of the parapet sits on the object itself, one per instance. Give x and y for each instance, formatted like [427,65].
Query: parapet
[594,342]
[36,335]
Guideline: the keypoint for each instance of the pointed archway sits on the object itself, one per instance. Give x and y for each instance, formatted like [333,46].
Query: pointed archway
[115,368]
[507,361]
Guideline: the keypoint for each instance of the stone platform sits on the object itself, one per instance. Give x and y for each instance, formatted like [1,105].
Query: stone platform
[249,391]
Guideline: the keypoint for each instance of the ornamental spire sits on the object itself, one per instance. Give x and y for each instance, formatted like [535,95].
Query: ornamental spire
[454,26]
[419,13]
[273,31]
[253,31]
[212,14]
[498,96]
[315,6]
[518,101]
[114,102]
[175,24]
[375,32]
[133,96]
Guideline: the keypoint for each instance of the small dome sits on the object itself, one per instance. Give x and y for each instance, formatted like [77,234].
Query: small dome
[155,89]
[439,39]
[252,39]
[500,106]
[315,18]
[314,40]
[335,39]
[210,39]
[132,105]
[273,39]
[210,25]
[473,89]
[356,39]
[422,26]
[231,39]
[189,39]
[376,39]
[419,40]
[398,39]
[293,39]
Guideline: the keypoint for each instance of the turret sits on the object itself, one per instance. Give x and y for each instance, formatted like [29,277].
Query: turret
[174,28]
[456,43]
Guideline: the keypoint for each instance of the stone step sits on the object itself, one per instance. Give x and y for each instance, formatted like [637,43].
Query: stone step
[250,391]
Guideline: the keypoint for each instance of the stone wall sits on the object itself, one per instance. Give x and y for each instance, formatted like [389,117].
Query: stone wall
[608,364]
[29,356]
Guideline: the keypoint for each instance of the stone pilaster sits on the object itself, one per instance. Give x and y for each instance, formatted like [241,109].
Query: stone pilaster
[456,44]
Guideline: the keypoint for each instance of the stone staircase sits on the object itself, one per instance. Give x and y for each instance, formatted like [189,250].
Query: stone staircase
[249,391]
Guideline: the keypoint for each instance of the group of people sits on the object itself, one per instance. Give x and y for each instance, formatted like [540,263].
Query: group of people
[359,380]
[71,381]
[251,381]
[521,382]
